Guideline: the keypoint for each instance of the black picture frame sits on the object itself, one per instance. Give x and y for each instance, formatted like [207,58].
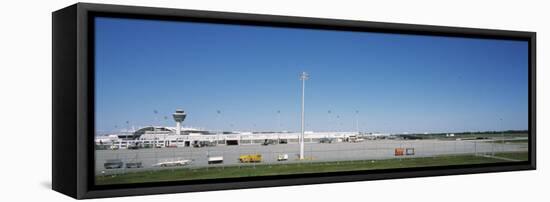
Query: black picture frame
[73,100]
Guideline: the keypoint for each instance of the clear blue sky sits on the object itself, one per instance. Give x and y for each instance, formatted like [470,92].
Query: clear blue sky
[398,83]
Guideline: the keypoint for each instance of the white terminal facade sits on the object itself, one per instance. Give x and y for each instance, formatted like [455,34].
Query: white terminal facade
[161,136]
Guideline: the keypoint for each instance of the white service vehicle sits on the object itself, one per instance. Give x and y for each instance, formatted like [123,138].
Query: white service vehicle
[282,157]
[172,163]
[359,140]
[215,159]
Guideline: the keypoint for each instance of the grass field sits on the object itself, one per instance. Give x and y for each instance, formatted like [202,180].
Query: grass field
[297,168]
[520,141]
[522,156]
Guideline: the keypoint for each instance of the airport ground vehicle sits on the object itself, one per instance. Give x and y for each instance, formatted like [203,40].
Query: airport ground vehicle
[134,146]
[268,142]
[354,138]
[134,165]
[399,151]
[203,144]
[326,140]
[357,140]
[409,151]
[250,158]
[215,159]
[113,164]
[282,157]
[172,163]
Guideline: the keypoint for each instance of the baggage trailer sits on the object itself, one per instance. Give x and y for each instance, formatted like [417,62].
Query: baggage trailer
[409,151]
[250,158]
[113,164]
[399,151]
[215,159]
[282,157]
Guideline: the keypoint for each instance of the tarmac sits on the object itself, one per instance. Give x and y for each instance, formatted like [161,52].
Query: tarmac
[313,152]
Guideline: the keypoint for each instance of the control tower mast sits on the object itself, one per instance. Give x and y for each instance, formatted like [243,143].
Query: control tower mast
[179,116]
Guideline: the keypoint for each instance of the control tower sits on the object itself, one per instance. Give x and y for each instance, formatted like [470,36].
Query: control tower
[179,116]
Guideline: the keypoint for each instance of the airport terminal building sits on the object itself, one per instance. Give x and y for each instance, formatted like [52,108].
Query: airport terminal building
[162,136]
[167,137]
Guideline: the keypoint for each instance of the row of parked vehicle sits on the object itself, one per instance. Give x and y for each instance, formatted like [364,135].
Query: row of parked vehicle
[404,151]
[352,139]
[247,158]
[117,163]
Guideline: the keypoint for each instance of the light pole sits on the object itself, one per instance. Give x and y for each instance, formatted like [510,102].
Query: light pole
[329,120]
[304,76]
[218,117]
[502,130]
[279,127]
[357,121]
[338,123]
[156,121]
[219,112]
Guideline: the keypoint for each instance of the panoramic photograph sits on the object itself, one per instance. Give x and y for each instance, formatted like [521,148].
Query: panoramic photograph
[182,101]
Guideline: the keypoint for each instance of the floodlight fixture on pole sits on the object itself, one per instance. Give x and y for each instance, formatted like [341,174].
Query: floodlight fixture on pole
[303,77]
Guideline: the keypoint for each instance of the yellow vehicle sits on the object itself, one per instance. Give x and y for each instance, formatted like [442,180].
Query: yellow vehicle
[250,158]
